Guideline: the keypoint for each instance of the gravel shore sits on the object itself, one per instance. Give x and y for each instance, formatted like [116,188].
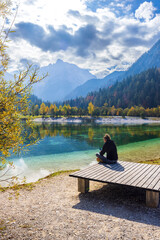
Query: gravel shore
[54,209]
[100,120]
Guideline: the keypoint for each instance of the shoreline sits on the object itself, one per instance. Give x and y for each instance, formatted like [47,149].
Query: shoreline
[99,120]
[30,185]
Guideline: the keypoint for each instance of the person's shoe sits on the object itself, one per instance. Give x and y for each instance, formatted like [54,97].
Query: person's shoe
[99,160]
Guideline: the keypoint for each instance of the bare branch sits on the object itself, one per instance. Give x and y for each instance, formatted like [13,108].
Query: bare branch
[9,30]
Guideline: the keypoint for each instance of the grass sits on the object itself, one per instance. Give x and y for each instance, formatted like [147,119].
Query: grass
[154,161]
[57,173]
[30,186]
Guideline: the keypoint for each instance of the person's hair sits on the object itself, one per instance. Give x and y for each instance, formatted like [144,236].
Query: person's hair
[107,137]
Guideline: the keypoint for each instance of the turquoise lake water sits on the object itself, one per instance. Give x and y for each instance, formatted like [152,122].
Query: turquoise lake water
[73,146]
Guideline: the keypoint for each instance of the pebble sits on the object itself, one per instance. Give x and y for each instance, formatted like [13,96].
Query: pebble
[54,210]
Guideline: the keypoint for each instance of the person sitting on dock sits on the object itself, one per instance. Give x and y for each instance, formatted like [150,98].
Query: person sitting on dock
[110,149]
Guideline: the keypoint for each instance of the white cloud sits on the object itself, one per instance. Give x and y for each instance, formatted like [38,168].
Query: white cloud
[100,62]
[48,12]
[145,11]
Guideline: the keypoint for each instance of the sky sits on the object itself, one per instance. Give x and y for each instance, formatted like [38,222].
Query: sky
[101,36]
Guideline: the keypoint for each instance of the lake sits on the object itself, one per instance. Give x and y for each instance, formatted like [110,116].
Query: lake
[73,146]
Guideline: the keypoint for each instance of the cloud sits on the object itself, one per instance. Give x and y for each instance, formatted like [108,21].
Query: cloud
[136,29]
[83,18]
[83,40]
[30,2]
[97,35]
[53,41]
[74,13]
[134,41]
[145,11]
[24,61]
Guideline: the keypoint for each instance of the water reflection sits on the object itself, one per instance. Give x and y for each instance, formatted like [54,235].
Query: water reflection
[93,134]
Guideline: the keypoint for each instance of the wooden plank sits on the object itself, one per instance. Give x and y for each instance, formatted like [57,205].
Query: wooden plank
[141,174]
[115,173]
[152,199]
[117,177]
[155,184]
[89,168]
[134,170]
[135,174]
[135,183]
[111,173]
[99,168]
[138,174]
[146,177]
[132,174]
[83,174]
[151,179]
[84,170]
[105,171]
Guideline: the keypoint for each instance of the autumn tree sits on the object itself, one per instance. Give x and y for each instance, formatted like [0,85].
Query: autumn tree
[42,109]
[34,110]
[55,109]
[60,110]
[51,110]
[46,110]
[68,110]
[113,110]
[74,110]
[64,109]
[90,108]
[132,112]
[14,97]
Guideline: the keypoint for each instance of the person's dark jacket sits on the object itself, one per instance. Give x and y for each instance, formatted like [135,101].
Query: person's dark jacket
[110,148]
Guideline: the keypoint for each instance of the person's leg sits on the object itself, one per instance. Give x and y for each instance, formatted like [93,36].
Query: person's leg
[110,161]
[105,160]
[101,158]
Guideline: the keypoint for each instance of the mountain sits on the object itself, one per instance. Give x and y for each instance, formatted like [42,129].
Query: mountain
[62,78]
[147,60]
[67,81]
[35,100]
[95,84]
[141,90]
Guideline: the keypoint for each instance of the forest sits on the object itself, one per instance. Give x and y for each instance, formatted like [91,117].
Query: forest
[135,96]
[68,111]
[139,90]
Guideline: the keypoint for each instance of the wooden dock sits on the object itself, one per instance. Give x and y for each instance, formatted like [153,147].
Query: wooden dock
[145,176]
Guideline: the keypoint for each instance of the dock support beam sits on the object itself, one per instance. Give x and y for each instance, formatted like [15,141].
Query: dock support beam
[152,199]
[83,185]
